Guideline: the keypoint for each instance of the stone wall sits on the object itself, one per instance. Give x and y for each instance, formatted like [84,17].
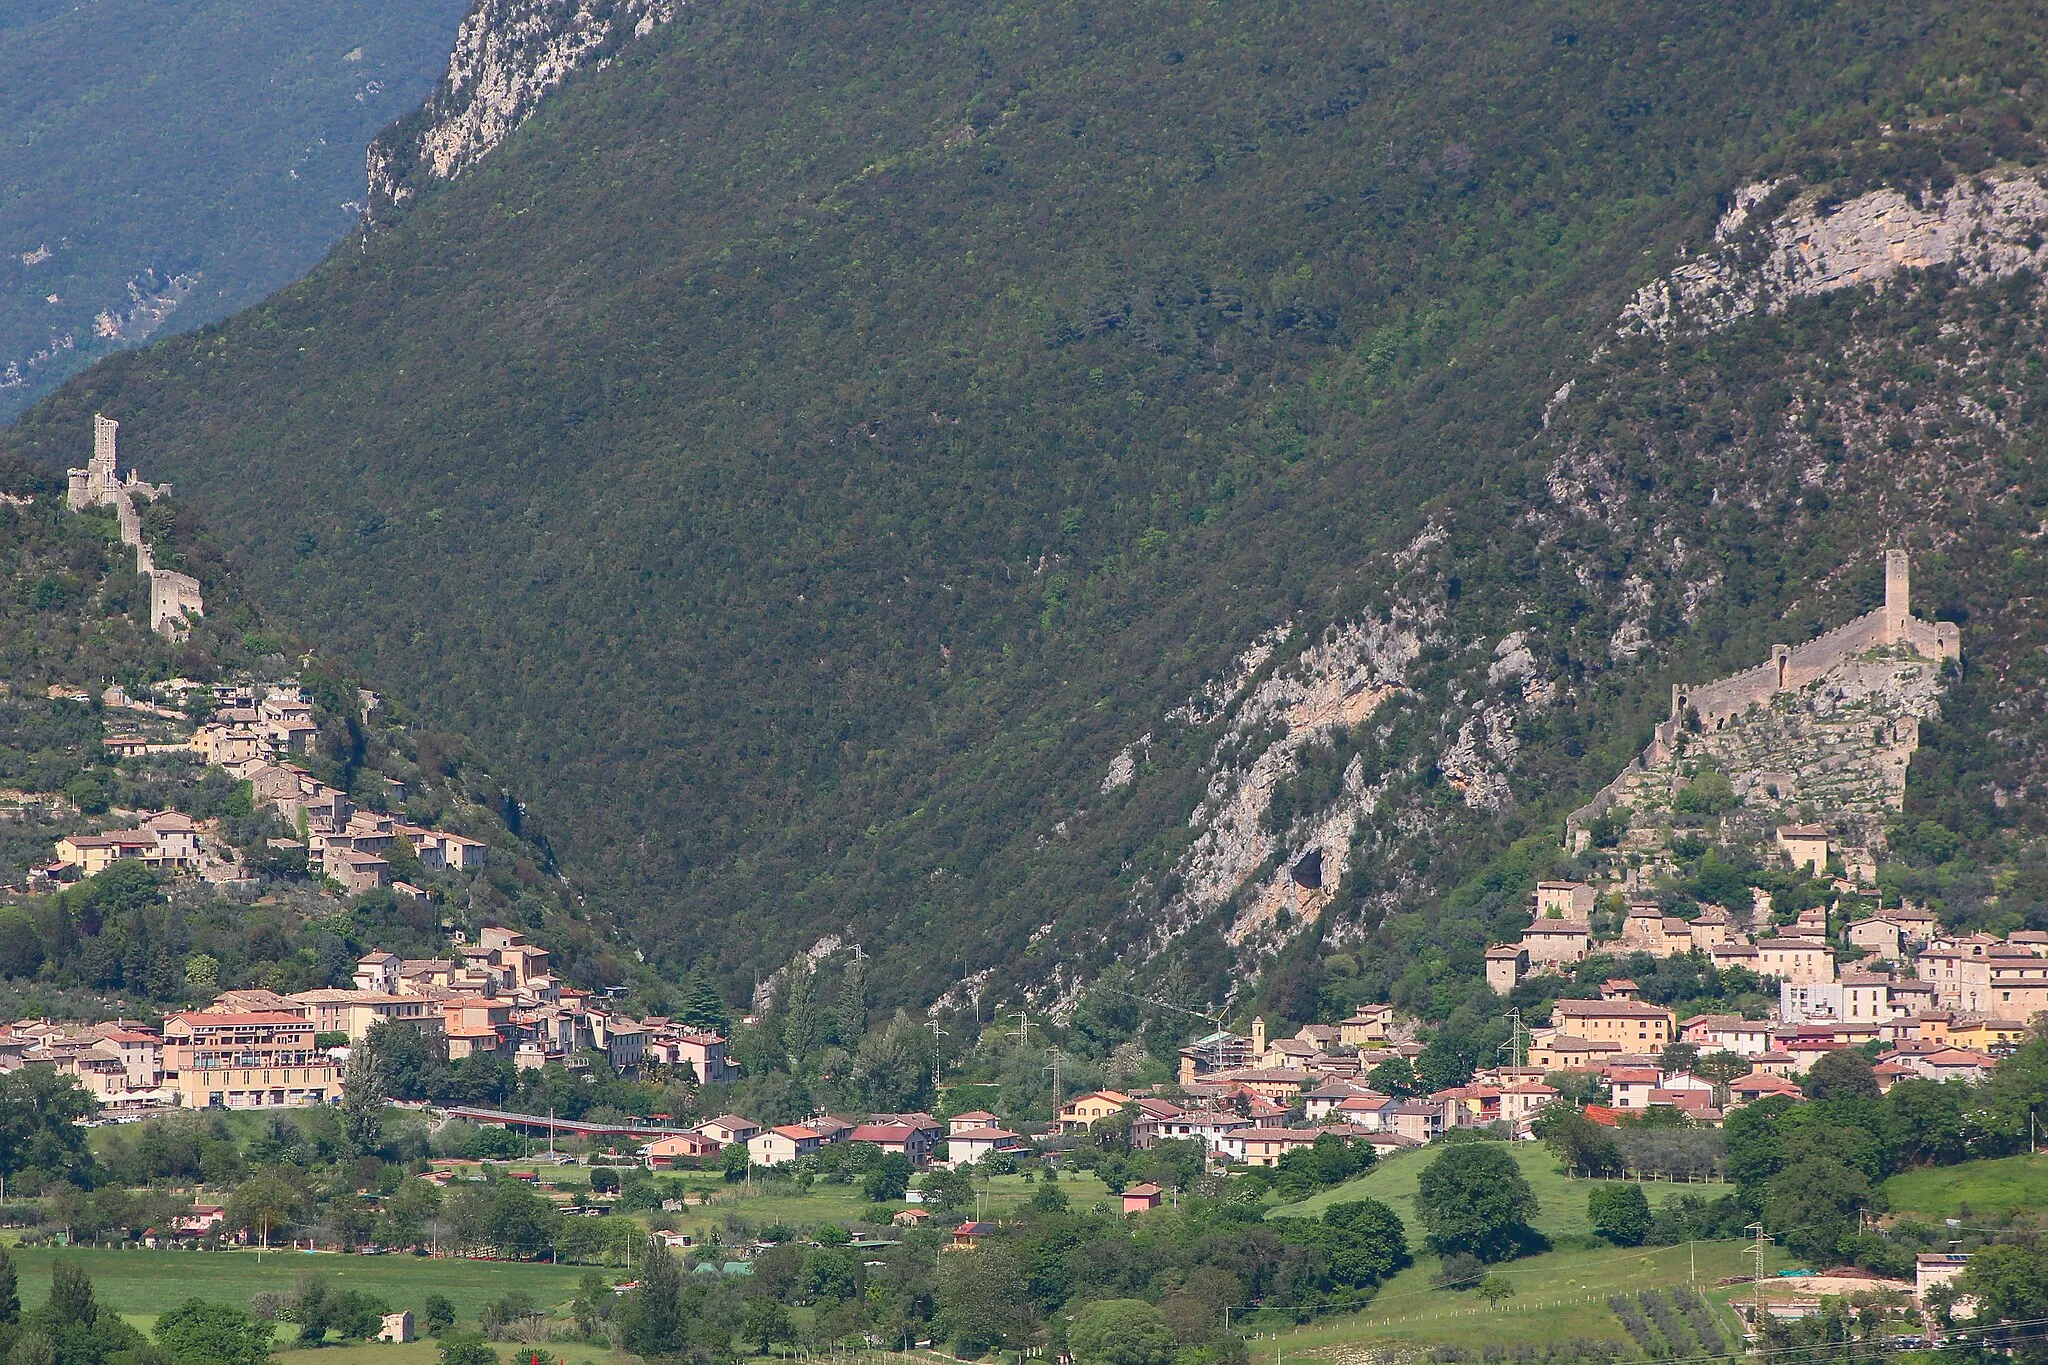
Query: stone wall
[1830,724]
[171,595]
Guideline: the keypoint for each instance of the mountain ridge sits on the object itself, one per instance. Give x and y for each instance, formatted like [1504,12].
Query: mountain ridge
[896,466]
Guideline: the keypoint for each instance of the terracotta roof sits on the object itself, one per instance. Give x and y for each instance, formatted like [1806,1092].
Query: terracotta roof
[1611,1009]
[881,1132]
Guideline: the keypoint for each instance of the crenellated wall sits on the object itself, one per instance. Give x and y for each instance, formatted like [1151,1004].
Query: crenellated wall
[1725,702]
[171,595]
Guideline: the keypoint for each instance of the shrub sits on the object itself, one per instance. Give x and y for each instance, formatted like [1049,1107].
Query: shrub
[1620,1213]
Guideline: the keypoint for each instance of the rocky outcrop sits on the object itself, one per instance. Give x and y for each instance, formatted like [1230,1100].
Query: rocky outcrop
[1986,226]
[509,55]
[1270,716]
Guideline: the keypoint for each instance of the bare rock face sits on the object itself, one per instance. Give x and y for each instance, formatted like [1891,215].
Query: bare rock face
[1987,226]
[1269,718]
[509,55]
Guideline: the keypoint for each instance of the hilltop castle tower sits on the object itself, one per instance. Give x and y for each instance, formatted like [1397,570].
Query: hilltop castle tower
[171,595]
[1898,597]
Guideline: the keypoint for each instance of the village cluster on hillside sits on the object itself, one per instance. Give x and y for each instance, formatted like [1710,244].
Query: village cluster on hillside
[1934,1005]
[256,1049]
[254,739]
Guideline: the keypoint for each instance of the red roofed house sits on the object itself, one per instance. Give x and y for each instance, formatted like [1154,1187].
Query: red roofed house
[727,1129]
[247,1061]
[1760,1085]
[913,1142]
[1139,1198]
[782,1144]
[663,1152]
[968,1145]
[1631,1023]
[1081,1111]
[1265,1146]
[1632,1085]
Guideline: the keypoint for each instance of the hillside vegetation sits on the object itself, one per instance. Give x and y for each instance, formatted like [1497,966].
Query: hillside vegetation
[815,445]
[167,164]
[74,618]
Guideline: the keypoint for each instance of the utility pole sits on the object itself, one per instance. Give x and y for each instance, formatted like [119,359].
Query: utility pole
[937,1048]
[1756,1285]
[1054,1068]
[1517,1044]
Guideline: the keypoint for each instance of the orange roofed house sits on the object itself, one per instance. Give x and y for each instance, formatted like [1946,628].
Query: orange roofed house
[1082,1110]
[1631,1023]
[247,1061]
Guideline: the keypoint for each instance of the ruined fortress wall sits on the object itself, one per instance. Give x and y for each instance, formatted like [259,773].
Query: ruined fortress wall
[171,595]
[1935,639]
[1810,660]
[1729,696]
[1787,670]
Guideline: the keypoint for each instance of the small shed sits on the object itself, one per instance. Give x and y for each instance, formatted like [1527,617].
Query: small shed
[397,1326]
[1139,1198]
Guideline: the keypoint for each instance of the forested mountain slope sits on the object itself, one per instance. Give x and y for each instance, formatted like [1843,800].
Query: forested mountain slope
[832,457]
[77,655]
[164,164]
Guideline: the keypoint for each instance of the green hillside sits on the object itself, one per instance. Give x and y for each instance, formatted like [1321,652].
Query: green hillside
[74,617]
[187,158]
[1560,1199]
[816,444]
[1994,1187]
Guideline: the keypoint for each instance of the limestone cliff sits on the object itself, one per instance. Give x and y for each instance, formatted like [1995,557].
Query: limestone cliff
[1645,533]
[508,56]
[1985,227]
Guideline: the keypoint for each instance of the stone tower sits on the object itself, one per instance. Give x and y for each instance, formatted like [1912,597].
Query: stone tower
[104,460]
[1898,598]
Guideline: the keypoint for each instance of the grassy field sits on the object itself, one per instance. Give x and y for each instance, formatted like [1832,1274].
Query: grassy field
[1558,1296]
[428,1353]
[1997,1186]
[783,1202]
[1561,1200]
[141,1284]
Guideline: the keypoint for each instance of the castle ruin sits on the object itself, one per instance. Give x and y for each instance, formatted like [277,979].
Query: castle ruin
[1829,725]
[172,596]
